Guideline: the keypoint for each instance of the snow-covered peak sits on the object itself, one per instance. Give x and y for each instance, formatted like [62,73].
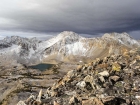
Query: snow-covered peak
[68,34]
[116,35]
[18,39]
[123,38]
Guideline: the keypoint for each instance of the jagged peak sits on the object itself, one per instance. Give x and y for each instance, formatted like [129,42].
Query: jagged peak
[116,35]
[14,37]
[68,33]
[123,38]
[10,39]
[65,34]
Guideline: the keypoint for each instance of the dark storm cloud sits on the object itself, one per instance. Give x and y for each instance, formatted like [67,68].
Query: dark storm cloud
[81,16]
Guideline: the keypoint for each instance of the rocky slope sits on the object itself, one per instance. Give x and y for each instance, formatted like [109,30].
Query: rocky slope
[19,82]
[113,80]
[67,46]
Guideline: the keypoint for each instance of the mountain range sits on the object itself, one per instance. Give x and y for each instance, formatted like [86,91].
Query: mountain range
[67,46]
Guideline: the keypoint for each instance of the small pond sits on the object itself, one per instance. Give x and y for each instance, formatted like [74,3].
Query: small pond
[42,66]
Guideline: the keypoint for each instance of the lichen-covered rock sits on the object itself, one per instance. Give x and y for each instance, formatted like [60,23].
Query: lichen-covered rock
[116,67]
[73,101]
[108,99]
[104,73]
[81,84]
[89,79]
[114,78]
[92,101]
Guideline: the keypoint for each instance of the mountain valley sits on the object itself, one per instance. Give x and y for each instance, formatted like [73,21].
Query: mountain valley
[85,71]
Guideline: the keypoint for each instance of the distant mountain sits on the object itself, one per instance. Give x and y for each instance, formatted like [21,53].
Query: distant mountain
[72,46]
[66,46]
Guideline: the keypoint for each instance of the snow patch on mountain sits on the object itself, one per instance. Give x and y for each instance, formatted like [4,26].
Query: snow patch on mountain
[75,48]
[13,49]
[123,38]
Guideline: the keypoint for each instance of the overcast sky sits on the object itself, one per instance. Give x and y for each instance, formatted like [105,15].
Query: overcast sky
[45,18]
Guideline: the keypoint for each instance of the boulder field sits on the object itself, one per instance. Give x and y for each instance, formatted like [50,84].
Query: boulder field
[113,80]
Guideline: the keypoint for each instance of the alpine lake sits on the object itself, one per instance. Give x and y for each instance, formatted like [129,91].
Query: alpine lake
[42,66]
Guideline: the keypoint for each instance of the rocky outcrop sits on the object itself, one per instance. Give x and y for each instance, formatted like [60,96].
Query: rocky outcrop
[116,83]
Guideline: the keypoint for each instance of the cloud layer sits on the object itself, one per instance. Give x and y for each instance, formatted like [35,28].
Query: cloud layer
[81,16]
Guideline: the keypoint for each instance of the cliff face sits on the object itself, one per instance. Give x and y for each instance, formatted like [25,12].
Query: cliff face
[65,45]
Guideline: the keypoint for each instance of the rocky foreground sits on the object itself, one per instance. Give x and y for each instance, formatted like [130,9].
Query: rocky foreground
[114,80]
[17,83]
